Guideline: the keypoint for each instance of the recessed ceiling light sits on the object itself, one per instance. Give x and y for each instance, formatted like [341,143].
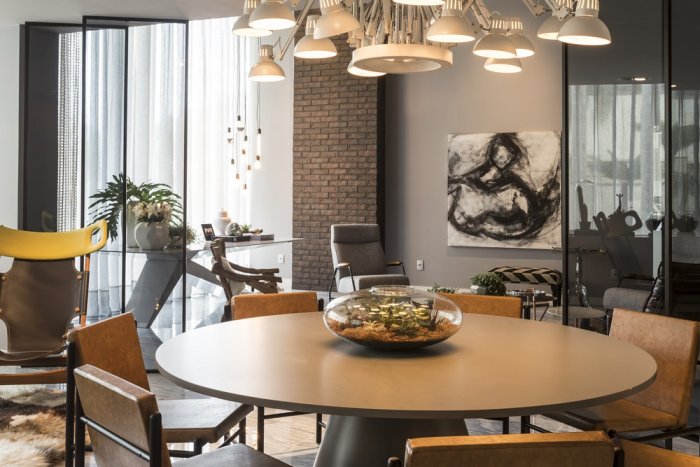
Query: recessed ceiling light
[639,79]
[674,86]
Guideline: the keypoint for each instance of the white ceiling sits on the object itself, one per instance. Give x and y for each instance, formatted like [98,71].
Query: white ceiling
[21,11]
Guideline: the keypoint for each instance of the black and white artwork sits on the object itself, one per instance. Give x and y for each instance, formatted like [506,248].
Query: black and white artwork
[504,190]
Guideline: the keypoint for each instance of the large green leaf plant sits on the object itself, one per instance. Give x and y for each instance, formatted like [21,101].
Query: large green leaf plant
[108,203]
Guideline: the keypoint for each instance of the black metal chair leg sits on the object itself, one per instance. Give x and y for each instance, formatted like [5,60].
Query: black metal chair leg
[70,405]
[241,431]
[79,435]
[319,427]
[261,429]
[668,444]
[506,426]
[198,445]
[525,424]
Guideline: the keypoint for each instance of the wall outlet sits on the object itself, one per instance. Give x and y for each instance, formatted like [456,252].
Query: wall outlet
[280,258]
[419,264]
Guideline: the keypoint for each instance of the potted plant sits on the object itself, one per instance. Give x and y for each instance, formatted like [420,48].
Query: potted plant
[151,232]
[181,235]
[108,203]
[488,283]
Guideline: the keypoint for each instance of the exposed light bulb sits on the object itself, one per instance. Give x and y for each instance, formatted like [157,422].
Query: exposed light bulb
[258,163]
[258,143]
[237,180]
[239,124]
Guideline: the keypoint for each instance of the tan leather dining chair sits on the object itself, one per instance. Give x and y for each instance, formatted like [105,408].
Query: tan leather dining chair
[509,307]
[580,449]
[663,406]
[645,455]
[126,429]
[257,305]
[113,346]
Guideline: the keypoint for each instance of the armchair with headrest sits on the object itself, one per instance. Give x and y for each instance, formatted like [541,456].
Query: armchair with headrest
[41,295]
[358,259]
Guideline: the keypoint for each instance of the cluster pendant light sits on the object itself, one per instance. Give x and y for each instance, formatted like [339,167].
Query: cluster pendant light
[410,36]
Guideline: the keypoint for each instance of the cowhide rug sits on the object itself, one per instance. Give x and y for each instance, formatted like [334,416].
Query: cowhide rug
[32,426]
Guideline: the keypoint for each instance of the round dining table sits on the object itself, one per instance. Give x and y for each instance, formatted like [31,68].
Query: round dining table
[492,367]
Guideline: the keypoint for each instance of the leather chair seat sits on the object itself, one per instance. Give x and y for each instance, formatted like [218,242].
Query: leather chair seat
[213,419]
[621,416]
[238,455]
[644,455]
[622,297]
[367,281]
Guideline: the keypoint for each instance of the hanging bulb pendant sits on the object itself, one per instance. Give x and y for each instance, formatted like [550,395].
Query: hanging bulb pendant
[239,124]
[258,163]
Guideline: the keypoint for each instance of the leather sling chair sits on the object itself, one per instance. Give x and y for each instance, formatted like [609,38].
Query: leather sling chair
[41,296]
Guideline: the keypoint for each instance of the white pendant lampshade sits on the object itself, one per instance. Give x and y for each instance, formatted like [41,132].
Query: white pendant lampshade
[523,46]
[402,58]
[308,47]
[503,65]
[585,28]
[451,26]
[241,26]
[549,30]
[495,44]
[334,20]
[266,70]
[361,72]
[272,15]
[421,2]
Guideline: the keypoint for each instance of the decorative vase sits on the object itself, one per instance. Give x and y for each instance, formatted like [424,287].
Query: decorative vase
[131,224]
[220,222]
[479,290]
[151,236]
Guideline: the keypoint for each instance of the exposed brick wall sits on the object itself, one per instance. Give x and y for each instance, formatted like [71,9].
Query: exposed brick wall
[338,159]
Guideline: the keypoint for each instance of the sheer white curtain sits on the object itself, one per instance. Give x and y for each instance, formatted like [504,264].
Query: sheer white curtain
[616,146]
[218,92]
[104,99]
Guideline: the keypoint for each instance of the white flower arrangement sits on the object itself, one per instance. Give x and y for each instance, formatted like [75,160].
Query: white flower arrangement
[152,212]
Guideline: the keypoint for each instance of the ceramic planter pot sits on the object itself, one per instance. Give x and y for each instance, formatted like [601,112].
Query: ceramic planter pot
[151,236]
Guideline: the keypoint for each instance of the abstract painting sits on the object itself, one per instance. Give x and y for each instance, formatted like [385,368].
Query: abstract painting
[504,190]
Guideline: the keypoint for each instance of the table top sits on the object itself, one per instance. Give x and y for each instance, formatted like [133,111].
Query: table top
[197,247]
[492,367]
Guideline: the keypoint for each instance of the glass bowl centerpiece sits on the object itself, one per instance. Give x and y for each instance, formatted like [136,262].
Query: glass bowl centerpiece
[393,317]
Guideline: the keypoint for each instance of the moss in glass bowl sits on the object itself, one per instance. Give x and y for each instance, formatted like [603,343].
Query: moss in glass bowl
[393,317]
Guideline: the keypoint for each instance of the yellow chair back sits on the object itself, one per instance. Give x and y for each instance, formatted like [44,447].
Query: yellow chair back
[48,246]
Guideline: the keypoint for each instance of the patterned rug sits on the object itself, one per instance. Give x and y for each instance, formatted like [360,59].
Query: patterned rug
[32,426]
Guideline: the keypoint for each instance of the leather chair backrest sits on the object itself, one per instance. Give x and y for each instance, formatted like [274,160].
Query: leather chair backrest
[122,408]
[674,345]
[582,449]
[254,305]
[38,300]
[113,346]
[360,245]
[510,307]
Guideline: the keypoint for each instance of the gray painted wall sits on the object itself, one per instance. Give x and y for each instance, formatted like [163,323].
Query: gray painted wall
[422,109]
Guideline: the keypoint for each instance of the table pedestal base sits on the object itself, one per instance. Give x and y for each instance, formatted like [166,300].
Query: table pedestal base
[369,442]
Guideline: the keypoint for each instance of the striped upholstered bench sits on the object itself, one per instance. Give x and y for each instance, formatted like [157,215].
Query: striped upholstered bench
[535,276]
